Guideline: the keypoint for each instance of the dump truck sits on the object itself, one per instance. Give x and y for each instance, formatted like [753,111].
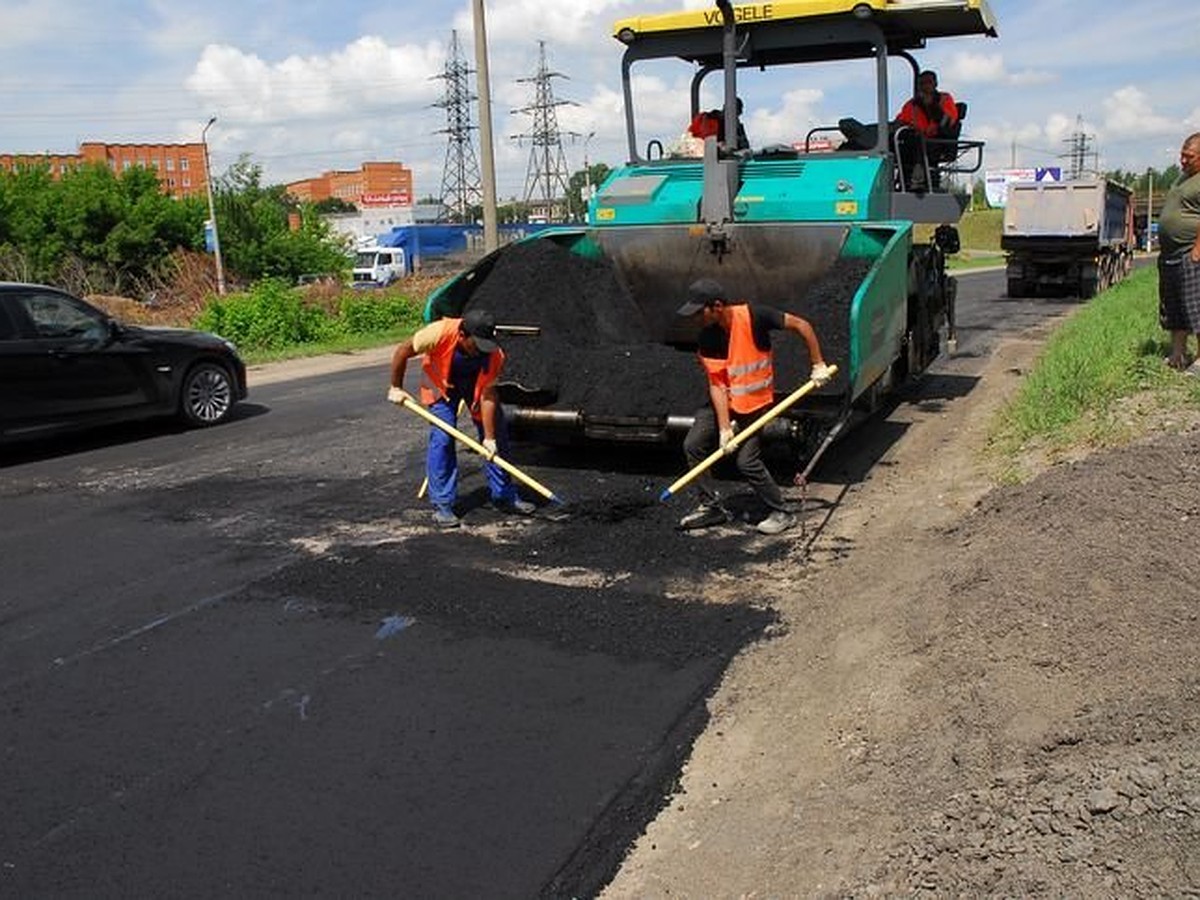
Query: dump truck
[826,234]
[1075,236]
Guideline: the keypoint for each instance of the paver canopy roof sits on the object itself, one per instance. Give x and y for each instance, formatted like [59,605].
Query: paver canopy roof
[906,24]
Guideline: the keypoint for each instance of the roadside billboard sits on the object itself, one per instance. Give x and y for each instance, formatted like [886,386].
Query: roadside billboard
[996,181]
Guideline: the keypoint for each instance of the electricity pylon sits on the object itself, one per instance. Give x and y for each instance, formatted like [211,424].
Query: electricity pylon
[547,174]
[461,191]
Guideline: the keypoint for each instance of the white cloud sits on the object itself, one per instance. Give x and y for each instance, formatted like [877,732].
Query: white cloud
[1128,112]
[524,21]
[366,75]
[987,68]
[799,111]
[25,23]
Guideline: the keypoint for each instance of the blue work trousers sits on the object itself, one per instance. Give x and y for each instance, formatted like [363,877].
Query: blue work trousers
[441,461]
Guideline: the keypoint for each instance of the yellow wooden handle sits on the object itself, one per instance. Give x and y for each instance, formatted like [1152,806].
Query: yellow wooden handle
[470,442]
[741,436]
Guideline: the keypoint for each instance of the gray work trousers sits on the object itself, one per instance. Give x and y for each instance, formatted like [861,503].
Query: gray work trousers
[704,437]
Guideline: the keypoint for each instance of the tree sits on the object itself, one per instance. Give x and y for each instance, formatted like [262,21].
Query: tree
[334,205]
[257,238]
[92,230]
[593,175]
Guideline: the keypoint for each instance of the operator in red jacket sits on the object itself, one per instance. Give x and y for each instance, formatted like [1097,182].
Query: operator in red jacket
[930,111]
[461,364]
[932,114]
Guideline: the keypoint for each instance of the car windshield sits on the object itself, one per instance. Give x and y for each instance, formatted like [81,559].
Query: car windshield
[364,260]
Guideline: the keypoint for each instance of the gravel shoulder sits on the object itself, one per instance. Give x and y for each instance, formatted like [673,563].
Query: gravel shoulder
[308,367]
[975,691]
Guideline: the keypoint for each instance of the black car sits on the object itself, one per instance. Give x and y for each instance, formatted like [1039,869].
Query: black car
[65,365]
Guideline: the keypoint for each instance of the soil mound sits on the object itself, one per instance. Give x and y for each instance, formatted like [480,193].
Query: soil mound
[1061,657]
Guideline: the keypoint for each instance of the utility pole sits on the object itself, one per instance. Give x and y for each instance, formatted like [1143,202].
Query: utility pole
[491,234]
[461,190]
[587,173]
[546,177]
[1149,210]
[212,210]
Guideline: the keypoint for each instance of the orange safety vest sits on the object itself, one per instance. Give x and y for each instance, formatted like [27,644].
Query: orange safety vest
[912,113]
[747,372]
[435,370]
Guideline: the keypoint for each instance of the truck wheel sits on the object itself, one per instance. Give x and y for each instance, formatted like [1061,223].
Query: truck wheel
[1016,287]
[1087,288]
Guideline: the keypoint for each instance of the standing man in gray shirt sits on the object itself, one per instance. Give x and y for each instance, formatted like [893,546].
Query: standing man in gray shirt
[1179,259]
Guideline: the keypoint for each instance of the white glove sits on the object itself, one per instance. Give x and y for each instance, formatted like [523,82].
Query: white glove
[398,395]
[489,444]
[820,375]
[726,439]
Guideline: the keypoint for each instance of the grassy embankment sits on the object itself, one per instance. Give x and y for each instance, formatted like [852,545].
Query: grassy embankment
[1099,382]
[979,234]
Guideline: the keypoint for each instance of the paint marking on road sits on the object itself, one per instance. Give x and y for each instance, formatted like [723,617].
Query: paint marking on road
[148,627]
[60,662]
[392,626]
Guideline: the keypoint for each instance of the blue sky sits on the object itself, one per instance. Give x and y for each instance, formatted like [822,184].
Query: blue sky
[308,86]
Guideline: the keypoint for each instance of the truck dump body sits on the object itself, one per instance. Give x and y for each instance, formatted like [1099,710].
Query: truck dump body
[1075,234]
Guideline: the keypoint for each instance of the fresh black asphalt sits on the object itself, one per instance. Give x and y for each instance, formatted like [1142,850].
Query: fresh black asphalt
[238,661]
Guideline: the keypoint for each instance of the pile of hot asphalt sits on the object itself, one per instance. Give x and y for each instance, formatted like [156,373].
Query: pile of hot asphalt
[593,353]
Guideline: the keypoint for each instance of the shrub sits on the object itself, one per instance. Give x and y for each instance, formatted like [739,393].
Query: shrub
[366,314]
[267,317]
[273,315]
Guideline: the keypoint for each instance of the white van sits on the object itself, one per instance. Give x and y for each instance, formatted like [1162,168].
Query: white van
[378,266]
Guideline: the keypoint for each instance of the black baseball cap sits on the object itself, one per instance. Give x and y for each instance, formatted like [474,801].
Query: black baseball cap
[479,325]
[702,292]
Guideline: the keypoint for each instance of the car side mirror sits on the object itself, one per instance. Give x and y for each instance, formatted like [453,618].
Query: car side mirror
[115,330]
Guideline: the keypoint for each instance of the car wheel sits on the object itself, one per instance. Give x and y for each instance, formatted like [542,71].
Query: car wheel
[207,395]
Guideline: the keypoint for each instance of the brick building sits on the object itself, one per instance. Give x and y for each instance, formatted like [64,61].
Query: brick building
[373,184]
[180,167]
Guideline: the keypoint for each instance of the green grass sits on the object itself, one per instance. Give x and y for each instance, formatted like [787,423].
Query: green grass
[979,236]
[1078,393]
[345,344]
[273,321]
[979,230]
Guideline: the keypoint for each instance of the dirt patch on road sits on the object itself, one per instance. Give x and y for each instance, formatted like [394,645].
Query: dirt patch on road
[979,692]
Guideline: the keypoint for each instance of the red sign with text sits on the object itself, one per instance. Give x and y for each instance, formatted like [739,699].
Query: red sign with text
[392,198]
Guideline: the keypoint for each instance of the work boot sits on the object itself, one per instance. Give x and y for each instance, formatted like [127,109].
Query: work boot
[705,515]
[777,522]
[515,506]
[445,518]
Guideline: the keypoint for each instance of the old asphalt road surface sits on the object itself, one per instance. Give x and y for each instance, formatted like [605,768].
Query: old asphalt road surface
[240,661]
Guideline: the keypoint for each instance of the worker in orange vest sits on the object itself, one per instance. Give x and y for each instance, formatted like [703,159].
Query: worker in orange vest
[461,364]
[735,351]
